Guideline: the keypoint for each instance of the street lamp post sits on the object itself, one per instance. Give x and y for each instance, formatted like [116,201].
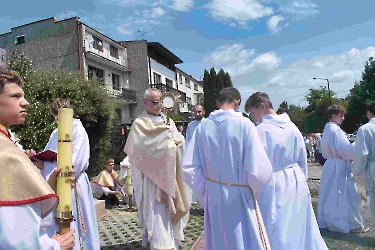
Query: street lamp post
[329,92]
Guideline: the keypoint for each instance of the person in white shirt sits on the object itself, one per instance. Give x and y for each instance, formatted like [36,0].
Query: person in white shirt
[285,202]
[364,158]
[339,205]
[199,113]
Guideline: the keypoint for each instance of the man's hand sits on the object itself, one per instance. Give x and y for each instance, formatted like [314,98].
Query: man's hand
[38,163]
[30,152]
[66,241]
[52,181]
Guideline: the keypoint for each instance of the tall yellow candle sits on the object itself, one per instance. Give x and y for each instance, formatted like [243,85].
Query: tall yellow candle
[129,179]
[64,160]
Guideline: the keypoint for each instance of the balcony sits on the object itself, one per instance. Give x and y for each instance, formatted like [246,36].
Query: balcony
[129,96]
[119,62]
[164,88]
[186,107]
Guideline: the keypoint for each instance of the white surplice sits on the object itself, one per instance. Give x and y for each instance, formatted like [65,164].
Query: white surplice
[226,148]
[364,159]
[81,155]
[17,227]
[154,217]
[190,129]
[339,205]
[285,202]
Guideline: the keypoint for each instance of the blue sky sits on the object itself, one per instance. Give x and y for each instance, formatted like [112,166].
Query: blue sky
[273,46]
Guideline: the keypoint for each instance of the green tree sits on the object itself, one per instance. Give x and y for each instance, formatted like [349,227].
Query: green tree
[364,93]
[213,83]
[91,101]
[297,115]
[316,111]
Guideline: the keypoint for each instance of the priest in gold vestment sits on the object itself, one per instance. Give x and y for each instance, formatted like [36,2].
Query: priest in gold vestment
[155,151]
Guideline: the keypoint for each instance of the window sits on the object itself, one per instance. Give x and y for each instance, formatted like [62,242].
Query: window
[180,79]
[95,72]
[169,82]
[157,78]
[97,43]
[20,40]
[113,51]
[3,58]
[195,87]
[116,81]
[187,82]
[188,100]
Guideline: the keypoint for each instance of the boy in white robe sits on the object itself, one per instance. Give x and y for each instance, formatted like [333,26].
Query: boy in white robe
[339,205]
[285,202]
[25,197]
[364,158]
[82,199]
[226,165]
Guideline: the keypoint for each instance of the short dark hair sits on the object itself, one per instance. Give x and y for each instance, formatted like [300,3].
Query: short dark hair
[371,107]
[335,110]
[59,103]
[228,95]
[9,76]
[256,99]
[108,160]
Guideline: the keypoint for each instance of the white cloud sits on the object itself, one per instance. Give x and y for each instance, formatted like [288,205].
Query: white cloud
[237,60]
[318,64]
[300,9]
[230,54]
[273,23]
[182,5]
[268,61]
[123,29]
[238,10]
[157,12]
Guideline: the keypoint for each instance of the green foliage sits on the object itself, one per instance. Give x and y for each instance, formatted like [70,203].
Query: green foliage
[92,104]
[213,83]
[177,117]
[364,93]
[297,115]
[316,111]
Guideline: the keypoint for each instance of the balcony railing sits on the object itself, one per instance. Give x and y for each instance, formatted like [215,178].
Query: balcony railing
[125,94]
[165,88]
[106,53]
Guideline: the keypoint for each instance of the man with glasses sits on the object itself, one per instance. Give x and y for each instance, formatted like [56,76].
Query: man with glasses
[155,150]
[226,165]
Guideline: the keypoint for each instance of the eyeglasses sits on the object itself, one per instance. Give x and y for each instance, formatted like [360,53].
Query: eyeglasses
[154,102]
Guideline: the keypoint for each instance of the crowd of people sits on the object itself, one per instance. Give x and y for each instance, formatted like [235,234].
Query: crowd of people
[250,176]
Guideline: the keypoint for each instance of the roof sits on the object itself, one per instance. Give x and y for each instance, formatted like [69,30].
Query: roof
[166,52]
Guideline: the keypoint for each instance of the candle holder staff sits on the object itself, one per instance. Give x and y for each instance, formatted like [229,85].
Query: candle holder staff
[81,198]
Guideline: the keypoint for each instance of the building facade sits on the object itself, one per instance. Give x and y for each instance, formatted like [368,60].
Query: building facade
[3,58]
[127,68]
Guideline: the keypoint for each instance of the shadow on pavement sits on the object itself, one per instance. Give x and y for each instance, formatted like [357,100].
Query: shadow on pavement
[350,238]
[127,246]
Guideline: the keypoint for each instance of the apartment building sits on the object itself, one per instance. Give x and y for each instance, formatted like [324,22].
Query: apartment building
[72,45]
[193,90]
[3,58]
[127,68]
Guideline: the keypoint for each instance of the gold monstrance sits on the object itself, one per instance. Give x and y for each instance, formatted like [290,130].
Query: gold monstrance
[168,104]
[64,160]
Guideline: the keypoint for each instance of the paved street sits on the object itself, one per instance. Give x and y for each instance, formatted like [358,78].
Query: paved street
[119,229]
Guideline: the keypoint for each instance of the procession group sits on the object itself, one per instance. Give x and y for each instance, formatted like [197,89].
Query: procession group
[250,180]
